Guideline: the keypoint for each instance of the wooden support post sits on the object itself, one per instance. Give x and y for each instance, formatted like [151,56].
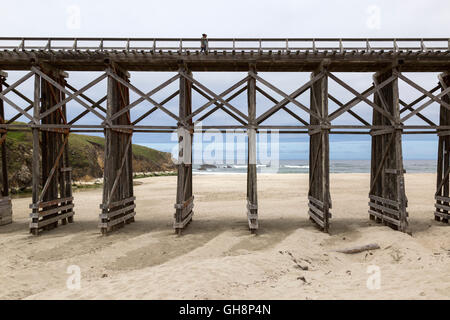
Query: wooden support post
[252,195]
[442,197]
[5,199]
[185,200]
[36,153]
[118,207]
[54,202]
[387,197]
[319,155]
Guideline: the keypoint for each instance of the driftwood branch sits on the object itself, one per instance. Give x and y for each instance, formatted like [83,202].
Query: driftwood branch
[371,246]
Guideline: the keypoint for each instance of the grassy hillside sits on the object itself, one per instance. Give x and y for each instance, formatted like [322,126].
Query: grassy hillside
[86,154]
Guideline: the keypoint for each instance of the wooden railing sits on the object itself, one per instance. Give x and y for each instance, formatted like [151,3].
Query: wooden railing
[182,45]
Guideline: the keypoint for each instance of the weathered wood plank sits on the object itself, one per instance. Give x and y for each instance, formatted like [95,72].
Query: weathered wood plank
[319,179]
[316,210]
[443,163]
[384,217]
[316,219]
[384,209]
[47,212]
[442,206]
[441,198]
[110,215]
[118,203]
[252,193]
[115,222]
[315,201]
[385,201]
[46,222]
[387,184]
[184,197]
[118,196]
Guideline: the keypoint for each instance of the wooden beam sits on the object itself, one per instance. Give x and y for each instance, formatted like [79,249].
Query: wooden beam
[443,163]
[73,96]
[341,105]
[5,200]
[387,172]
[212,94]
[118,168]
[252,194]
[433,98]
[284,102]
[145,115]
[287,98]
[36,153]
[145,97]
[214,100]
[362,97]
[287,110]
[142,94]
[184,198]
[319,176]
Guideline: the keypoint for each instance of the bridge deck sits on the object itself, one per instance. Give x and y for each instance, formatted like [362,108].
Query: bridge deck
[140,54]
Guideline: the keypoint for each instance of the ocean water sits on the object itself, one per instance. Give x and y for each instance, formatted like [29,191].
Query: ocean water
[302,166]
[348,153]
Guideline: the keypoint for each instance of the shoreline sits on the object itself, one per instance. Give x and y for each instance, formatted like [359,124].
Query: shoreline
[82,186]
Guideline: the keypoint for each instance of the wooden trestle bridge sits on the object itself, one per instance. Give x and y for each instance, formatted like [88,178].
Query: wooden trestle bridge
[48,60]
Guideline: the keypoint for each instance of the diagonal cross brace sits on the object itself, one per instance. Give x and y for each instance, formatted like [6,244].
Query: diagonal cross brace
[19,94]
[215,96]
[350,104]
[17,83]
[293,95]
[119,172]
[432,97]
[354,114]
[293,114]
[443,84]
[361,97]
[213,100]
[380,95]
[446,174]
[52,171]
[149,112]
[72,96]
[142,94]
[316,158]
[408,106]
[383,160]
[284,95]
[85,97]
[218,105]
[143,97]
[15,106]
[60,87]
[85,112]
[11,88]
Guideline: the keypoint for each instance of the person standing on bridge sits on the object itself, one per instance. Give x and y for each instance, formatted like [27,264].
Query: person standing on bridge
[204,43]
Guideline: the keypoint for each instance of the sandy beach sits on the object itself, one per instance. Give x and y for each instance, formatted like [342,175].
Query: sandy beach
[218,258]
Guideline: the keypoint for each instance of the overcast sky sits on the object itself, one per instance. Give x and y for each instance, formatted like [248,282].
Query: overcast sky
[231,18]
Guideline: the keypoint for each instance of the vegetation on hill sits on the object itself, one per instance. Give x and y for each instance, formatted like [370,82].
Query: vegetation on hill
[86,155]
